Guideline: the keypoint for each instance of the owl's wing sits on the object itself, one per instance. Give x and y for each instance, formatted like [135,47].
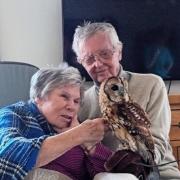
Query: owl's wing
[137,124]
[135,114]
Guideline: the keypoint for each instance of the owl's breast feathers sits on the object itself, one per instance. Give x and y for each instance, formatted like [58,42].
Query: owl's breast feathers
[126,118]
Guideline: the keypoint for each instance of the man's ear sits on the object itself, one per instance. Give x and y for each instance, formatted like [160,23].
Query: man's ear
[120,47]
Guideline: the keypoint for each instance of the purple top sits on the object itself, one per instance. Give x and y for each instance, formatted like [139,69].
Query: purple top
[79,166]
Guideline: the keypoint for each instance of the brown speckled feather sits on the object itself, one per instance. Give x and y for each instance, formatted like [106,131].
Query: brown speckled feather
[126,118]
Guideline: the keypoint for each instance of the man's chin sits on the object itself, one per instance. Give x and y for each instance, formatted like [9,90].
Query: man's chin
[100,79]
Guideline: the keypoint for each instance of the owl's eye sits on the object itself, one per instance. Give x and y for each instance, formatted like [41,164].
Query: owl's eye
[114,87]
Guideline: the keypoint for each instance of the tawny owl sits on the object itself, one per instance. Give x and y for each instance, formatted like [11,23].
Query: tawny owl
[126,118]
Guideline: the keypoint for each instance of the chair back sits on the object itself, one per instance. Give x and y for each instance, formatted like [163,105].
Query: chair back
[15,81]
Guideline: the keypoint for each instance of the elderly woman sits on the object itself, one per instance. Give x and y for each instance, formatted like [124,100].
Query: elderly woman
[35,133]
[42,139]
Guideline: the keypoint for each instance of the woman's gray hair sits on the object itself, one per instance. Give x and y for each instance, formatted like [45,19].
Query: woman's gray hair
[47,79]
[82,33]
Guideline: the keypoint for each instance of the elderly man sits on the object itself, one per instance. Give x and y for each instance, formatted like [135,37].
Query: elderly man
[99,50]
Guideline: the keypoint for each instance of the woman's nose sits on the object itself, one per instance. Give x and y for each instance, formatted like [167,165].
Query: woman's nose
[70,105]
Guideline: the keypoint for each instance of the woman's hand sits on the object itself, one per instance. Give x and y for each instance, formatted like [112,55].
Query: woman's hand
[74,123]
[91,131]
[88,133]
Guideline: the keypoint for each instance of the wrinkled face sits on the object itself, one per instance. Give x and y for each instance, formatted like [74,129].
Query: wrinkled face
[60,106]
[99,57]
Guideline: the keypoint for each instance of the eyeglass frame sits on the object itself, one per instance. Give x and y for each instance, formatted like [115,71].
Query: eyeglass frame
[96,54]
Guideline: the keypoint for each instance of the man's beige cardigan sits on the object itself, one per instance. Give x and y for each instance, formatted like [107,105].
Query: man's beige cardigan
[150,92]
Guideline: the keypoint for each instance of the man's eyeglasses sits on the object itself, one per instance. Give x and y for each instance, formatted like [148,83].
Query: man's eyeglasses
[102,55]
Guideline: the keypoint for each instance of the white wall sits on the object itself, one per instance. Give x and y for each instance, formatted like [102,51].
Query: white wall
[31,31]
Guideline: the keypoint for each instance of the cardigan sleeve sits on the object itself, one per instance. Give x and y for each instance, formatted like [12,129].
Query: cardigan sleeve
[18,151]
[160,116]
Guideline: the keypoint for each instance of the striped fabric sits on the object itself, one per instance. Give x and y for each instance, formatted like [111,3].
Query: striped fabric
[22,130]
[77,165]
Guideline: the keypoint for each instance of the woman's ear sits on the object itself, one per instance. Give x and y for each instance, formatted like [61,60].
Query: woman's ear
[38,101]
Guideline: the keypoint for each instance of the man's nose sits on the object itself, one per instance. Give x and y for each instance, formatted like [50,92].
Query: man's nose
[97,62]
